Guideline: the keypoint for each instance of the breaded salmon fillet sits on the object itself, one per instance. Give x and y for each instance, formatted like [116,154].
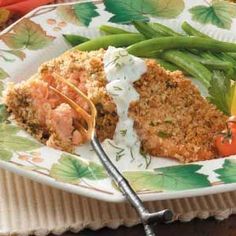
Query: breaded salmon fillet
[171,118]
[45,115]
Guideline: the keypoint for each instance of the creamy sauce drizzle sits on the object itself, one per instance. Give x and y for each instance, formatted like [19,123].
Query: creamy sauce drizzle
[122,69]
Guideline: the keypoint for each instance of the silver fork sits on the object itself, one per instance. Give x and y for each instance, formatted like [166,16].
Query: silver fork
[146,217]
[89,133]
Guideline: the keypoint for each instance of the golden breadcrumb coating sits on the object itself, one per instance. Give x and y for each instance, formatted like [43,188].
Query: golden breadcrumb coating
[171,117]
[39,110]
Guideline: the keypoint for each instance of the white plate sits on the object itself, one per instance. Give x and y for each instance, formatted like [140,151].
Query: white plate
[37,38]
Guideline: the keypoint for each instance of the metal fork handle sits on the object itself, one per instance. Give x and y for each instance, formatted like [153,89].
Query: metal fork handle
[146,217]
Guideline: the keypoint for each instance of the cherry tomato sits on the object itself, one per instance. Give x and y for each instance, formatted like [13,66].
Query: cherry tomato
[225,142]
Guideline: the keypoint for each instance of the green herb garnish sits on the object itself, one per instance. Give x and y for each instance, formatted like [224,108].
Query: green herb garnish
[132,155]
[168,120]
[123,132]
[147,158]
[119,154]
[117,88]
[163,134]
[114,146]
[154,123]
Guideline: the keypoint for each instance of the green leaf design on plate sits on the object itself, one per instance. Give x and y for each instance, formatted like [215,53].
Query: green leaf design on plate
[5,155]
[85,12]
[17,53]
[79,14]
[11,142]
[172,178]
[70,169]
[27,34]
[227,173]
[9,129]
[67,14]
[3,74]
[126,11]
[3,113]
[1,87]
[218,13]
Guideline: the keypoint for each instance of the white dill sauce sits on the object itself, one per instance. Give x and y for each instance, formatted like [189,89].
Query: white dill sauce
[122,70]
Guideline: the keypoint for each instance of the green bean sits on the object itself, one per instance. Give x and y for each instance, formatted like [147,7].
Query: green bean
[188,64]
[161,31]
[107,29]
[146,47]
[212,63]
[192,31]
[164,30]
[226,57]
[225,62]
[116,40]
[216,65]
[146,30]
[208,55]
[74,40]
[167,65]
[233,55]
[154,30]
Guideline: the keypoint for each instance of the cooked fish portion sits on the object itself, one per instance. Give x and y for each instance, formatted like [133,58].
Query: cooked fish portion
[45,115]
[171,118]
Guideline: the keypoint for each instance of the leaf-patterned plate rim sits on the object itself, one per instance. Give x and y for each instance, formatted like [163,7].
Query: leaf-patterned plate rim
[167,182]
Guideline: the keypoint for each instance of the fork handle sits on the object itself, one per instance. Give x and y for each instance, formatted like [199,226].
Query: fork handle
[130,194]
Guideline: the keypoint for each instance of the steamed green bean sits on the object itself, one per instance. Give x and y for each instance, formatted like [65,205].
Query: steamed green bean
[146,30]
[150,46]
[74,40]
[233,55]
[107,29]
[164,30]
[167,65]
[192,31]
[116,40]
[212,63]
[188,64]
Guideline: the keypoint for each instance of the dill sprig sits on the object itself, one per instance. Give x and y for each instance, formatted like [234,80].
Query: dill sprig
[132,154]
[123,132]
[147,159]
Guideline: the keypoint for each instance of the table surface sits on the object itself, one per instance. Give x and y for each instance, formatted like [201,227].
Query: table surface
[209,227]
